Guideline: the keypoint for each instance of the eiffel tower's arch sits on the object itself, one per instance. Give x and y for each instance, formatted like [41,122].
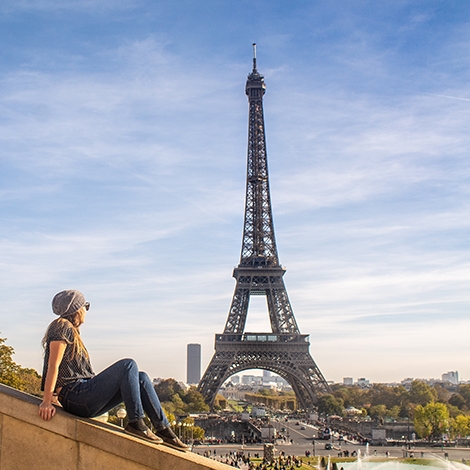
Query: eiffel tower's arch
[284,350]
[287,356]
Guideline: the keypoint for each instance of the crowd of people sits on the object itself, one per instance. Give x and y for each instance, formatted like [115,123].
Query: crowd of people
[239,459]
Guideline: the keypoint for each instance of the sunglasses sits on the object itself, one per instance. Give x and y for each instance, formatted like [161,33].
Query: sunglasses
[87,306]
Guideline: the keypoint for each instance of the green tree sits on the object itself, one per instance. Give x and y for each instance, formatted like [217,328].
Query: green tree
[378,412]
[443,395]
[458,400]
[13,375]
[195,401]
[330,405]
[167,388]
[178,405]
[175,399]
[431,421]
[380,394]
[393,412]
[9,369]
[198,433]
[453,410]
[30,381]
[421,393]
[351,396]
[464,391]
[460,426]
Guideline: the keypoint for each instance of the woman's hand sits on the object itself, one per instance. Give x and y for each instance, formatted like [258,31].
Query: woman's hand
[46,410]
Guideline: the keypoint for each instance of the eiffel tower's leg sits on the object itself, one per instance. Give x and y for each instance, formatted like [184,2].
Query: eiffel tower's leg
[238,310]
[216,372]
[280,311]
[215,375]
[308,381]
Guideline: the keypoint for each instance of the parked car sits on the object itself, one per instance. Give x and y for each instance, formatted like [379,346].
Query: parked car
[328,446]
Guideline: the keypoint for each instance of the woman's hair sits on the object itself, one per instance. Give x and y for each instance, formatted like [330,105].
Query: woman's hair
[74,320]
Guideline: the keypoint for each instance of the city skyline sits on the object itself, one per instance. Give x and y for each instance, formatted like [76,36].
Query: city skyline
[450,376]
[123,153]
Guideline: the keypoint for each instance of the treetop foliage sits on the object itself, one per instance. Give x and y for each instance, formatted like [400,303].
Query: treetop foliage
[419,393]
[13,375]
[435,410]
[179,401]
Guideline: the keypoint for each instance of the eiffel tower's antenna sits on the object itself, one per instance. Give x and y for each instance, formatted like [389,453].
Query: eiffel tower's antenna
[254,57]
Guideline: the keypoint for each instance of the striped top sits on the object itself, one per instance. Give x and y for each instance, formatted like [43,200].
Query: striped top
[71,368]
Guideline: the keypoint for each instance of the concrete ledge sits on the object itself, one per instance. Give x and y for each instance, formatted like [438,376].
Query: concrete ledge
[70,443]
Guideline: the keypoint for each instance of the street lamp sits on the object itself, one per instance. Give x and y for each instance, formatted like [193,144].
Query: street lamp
[189,427]
[121,414]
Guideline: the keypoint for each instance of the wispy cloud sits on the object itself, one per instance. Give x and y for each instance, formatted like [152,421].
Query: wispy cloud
[451,97]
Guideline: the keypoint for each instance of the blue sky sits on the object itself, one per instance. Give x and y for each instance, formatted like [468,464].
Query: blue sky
[123,133]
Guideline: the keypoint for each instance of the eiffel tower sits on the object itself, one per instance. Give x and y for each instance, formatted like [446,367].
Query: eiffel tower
[284,350]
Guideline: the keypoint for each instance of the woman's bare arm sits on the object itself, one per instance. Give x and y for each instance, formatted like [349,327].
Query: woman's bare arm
[56,354]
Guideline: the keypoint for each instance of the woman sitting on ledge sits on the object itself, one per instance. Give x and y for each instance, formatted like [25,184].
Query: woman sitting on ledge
[69,378]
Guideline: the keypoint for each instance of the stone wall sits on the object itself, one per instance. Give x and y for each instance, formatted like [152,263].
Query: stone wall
[70,443]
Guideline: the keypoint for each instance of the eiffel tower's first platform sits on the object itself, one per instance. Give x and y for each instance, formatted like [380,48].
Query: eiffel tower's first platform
[284,350]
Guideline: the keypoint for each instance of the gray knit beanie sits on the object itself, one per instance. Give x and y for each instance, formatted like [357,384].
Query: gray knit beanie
[68,302]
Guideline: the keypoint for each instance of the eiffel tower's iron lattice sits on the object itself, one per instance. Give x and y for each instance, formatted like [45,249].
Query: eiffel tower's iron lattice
[284,350]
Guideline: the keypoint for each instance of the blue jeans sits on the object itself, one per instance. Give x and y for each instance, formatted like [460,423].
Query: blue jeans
[120,382]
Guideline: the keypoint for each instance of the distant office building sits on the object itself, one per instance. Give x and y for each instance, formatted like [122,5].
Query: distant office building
[363,382]
[348,381]
[248,379]
[266,373]
[252,380]
[452,377]
[193,375]
[235,379]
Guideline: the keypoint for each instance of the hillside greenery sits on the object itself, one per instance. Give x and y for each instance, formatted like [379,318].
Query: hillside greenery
[435,410]
[13,375]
